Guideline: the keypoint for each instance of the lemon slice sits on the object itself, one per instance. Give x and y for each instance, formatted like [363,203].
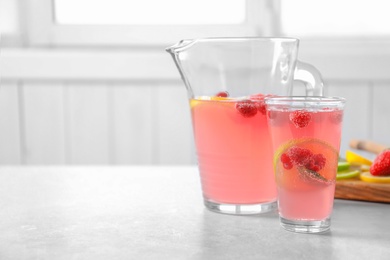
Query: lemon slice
[220,98]
[194,102]
[368,177]
[306,143]
[355,158]
[364,168]
[287,177]
[347,174]
[198,100]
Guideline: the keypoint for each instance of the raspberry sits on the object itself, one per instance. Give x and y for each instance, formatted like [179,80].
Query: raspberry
[246,108]
[299,156]
[261,107]
[257,96]
[222,94]
[316,162]
[260,103]
[381,164]
[303,157]
[300,118]
[286,160]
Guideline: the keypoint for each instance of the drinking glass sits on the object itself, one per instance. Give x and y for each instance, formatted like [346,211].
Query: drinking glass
[305,133]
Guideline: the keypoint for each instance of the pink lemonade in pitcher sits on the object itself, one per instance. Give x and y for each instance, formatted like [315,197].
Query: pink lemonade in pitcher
[234,149]
[306,144]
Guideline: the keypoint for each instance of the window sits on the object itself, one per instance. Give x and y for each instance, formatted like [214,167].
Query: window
[9,23]
[344,39]
[142,23]
[334,18]
[155,12]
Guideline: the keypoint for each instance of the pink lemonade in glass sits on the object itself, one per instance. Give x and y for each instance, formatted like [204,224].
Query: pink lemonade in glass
[234,150]
[306,140]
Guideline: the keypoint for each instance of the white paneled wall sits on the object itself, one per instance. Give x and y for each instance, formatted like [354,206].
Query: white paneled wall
[102,123]
[76,109]
[10,124]
[358,111]
[105,105]
[380,112]
[367,114]
[94,123]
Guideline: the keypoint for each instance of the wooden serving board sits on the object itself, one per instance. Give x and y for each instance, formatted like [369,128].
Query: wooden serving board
[355,189]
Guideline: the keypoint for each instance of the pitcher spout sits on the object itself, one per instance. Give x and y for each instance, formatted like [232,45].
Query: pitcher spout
[180,46]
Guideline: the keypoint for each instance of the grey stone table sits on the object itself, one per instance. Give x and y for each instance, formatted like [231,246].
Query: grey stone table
[151,212]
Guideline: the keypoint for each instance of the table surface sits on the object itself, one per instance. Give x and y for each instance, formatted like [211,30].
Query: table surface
[156,212]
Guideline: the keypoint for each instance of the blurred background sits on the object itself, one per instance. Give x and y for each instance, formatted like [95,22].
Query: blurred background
[89,81]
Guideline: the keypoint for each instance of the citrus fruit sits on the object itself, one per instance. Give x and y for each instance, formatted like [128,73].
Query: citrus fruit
[342,166]
[368,177]
[194,102]
[347,174]
[219,98]
[355,158]
[202,99]
[322,170]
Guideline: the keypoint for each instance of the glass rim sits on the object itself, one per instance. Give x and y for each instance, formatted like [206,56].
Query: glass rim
[305,101]
[185,43]
[247,38]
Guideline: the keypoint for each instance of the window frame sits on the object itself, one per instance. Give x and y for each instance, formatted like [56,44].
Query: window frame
[41,29]
[342,59]
[349,58]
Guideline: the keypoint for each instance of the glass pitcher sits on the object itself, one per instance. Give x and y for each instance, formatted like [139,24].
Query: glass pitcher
[227,80]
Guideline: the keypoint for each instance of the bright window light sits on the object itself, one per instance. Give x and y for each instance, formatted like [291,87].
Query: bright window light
[160,12]
[8,18]
[335,17]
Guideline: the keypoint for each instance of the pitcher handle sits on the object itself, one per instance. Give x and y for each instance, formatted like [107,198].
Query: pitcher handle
[310,77]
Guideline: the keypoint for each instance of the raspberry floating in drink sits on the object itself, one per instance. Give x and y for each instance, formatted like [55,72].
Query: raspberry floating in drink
[300,118]
[259,101]
[222,94]
[299,156]
[286,160]
[247,108]
[302,157]
[316,162]
[306,159]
